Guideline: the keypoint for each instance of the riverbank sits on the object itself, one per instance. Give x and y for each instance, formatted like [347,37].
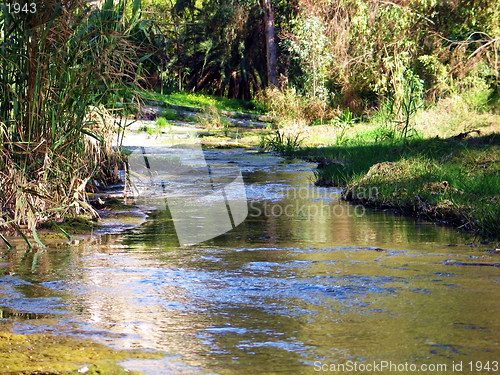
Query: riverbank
[454,180]
[140,289]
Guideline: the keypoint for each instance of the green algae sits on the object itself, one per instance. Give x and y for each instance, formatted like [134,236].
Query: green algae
[74,225]
[49,354]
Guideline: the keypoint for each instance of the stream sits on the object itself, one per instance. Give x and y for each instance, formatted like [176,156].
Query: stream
[304,284]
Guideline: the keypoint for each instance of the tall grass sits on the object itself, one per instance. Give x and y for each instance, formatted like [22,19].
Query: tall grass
[285,144]
[56,67]
[294,109]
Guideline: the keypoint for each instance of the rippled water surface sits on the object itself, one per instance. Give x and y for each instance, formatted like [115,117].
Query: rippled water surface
[306,278]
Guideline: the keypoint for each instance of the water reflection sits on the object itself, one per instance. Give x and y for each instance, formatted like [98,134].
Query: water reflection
[276,294]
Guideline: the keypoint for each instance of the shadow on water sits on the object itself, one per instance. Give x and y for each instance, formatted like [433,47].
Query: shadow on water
[305,278]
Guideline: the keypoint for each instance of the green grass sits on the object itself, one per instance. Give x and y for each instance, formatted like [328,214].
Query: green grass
[283,144]
[206,101]
[449,180]
[162,123]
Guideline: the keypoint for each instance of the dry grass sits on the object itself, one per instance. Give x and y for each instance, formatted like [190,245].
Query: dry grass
[212,119]
[453,115]
[295,110]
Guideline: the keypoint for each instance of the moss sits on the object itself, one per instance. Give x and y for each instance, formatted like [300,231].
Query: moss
[84,224]
[112,204]
[235,138]
[48,354]
[106,368]
[78,224]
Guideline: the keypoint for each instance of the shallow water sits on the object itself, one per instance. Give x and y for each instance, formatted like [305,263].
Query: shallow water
[306,280]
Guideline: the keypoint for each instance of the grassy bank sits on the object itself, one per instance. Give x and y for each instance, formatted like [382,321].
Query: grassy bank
[216,121]
[212,134]
[450,180]
[202,101]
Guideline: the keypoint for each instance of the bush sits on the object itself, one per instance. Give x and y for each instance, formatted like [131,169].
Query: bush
[294,109]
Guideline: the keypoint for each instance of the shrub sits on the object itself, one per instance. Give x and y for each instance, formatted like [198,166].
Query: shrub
[294,109]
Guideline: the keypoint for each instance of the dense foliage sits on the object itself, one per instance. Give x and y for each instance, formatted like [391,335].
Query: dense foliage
[355,53]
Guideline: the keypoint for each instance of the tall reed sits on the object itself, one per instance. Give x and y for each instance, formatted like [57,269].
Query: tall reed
[57,65]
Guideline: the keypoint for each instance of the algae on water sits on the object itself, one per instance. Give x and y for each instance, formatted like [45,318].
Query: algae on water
[49,354]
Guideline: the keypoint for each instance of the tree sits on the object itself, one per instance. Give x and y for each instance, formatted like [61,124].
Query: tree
[271,48]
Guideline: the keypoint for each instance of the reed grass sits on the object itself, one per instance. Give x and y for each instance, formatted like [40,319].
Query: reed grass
[57,67]
[283,143]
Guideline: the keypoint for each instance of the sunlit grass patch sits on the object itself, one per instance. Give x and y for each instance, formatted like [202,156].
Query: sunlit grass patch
[286,144]
[456,114]
[198,100]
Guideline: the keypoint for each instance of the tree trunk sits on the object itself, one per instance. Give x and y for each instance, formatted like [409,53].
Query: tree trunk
[272,53]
